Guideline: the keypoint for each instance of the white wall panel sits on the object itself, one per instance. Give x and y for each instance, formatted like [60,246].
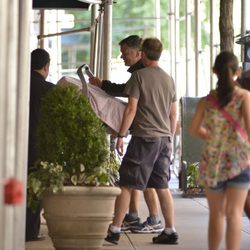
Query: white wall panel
[14,108]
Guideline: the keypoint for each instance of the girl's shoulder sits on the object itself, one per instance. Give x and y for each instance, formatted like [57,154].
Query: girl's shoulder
[212,93]
[242,93]
[211,96]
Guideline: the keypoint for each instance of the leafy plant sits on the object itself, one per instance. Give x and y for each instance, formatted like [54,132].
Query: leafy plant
[192,175]
[72,144]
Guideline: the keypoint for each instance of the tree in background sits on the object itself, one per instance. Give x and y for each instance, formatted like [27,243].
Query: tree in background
[226,25]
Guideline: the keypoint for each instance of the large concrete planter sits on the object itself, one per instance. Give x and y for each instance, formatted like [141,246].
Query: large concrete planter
[78,217]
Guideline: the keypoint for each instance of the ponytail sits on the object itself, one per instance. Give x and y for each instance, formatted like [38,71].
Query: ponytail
[225,86]
[225,67]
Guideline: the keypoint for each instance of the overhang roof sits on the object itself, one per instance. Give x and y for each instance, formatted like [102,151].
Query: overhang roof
[59,4]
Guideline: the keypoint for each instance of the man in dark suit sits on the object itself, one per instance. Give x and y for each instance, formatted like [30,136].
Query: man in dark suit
[40,62]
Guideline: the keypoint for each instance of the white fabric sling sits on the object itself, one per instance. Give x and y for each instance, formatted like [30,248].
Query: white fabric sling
[108,108]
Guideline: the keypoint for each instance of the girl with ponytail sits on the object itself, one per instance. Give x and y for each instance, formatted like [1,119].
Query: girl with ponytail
[222,120]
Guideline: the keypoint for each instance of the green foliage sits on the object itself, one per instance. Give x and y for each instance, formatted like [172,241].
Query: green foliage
[192,175]
[73,145]
[46,176]
[133,17]
[70,133]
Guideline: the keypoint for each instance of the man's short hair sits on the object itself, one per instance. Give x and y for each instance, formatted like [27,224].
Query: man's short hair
[132,41]
[39,58]
[245,80]
[152,47]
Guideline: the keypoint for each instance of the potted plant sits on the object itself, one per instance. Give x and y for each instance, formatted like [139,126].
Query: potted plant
[193,187]
[75,173]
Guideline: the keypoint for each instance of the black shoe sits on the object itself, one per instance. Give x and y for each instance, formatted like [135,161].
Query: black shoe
[164,238]
[112,237]
[37,238]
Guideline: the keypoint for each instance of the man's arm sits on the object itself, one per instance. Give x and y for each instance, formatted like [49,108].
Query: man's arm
[128,117]
[110,88]
[114,89]
[173,117]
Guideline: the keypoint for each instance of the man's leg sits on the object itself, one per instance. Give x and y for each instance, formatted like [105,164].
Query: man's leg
[167,206]
[131,219]
[151,199]
[134,203]
[121,207]
[33,222]
[152,223]
[168,235]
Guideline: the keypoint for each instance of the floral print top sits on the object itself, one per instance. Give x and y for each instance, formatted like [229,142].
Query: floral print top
[226,153]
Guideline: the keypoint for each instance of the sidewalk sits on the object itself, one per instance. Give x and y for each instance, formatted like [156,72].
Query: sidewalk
[191,216]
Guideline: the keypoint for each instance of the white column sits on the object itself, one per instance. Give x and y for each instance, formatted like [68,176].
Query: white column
[171,32]
[22,117]
[10,73]
[14,71]
[3,45]
[177,44]
[107,39]
[188,44]
[157,5]
[197,41]
[212,52]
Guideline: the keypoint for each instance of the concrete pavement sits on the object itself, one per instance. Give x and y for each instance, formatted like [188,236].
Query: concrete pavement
[191,217]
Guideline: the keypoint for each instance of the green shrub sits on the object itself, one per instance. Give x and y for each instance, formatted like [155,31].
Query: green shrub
[72,144]
[192,175]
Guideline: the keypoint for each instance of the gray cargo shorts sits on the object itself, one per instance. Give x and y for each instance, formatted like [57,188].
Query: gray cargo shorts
[146,163]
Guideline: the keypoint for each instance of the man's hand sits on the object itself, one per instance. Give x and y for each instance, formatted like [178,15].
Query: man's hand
[95,81]
[119,146]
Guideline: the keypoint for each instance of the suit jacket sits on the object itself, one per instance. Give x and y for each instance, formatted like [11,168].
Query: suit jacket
[115,89]
[38,88]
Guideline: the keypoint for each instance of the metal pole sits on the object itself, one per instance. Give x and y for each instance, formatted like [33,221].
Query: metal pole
[211,43]
[177,42]
[197,45]
[157,18]
[95,49]
[187,43]
[93,30]
[171,37]
[99,49]
[42,18]
[243,25]
[64,33]
[107,39]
